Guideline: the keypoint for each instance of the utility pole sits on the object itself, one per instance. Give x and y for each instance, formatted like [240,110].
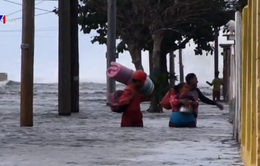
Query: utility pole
[181,65]
[27,47]
[216,51]
[172,69]
[64,99]
[111,43]
[74,56]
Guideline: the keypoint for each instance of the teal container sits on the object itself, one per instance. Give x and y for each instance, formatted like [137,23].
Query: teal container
[148,87]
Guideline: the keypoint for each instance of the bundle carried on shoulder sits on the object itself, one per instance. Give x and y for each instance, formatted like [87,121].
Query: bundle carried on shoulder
[124,75]
[120,73]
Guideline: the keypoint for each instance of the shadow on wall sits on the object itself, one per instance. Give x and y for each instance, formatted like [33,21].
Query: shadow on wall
[3,76]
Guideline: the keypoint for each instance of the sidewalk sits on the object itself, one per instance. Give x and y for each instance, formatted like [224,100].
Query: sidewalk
[93,138]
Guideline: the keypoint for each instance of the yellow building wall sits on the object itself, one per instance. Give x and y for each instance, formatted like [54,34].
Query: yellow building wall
[250,84]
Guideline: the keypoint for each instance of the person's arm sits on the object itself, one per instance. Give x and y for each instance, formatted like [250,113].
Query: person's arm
[204,99]
[195,104]
[222,81]
[173,100]
[177,102]
[210,84]
[125,98]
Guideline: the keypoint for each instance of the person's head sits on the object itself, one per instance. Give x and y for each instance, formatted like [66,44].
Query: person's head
[181,88]
[216,74]
[184,88]
[139,78]
[191,80]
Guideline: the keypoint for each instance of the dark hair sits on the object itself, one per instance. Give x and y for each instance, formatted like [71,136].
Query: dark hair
[178,87]
[134,80]
[216,73]
[189,77]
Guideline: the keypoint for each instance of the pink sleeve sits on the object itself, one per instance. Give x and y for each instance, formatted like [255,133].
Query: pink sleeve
[173,100]
[126,97]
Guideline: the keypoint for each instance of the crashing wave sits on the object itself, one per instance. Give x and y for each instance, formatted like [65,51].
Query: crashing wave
[8,83]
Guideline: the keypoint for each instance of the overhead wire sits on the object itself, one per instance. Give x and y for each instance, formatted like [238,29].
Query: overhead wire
[21,9]
[14,12]
[18,35]
[41,1]
[19,18]
[36,30]
[22,4]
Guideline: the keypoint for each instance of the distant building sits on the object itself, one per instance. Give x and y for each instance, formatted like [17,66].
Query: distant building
[3,76]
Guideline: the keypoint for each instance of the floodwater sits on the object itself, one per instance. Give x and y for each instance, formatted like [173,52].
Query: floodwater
[93,136]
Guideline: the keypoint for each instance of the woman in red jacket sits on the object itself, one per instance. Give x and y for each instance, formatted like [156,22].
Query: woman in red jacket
[130,101]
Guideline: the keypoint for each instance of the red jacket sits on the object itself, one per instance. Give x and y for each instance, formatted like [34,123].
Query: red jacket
[133,116]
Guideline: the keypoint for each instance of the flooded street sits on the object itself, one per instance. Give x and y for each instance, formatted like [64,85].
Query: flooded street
[93,136]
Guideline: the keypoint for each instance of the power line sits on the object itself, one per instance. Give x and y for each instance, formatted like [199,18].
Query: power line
[36,30]
[12,2]
[19,18]
[10,31]
[21,9]
[18,36]
[39,2]
[21,5]
[14,12]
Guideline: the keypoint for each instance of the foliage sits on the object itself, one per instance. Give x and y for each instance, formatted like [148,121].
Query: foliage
[159,87]
[134,22]
[238,4]
[93,16]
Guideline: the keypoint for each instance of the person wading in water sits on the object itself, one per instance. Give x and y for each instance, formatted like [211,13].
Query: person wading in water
[182,98]
[216,83]
[191,80]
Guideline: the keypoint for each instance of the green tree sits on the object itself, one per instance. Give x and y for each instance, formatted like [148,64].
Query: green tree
[183,20]
[130,29]
[157,26]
